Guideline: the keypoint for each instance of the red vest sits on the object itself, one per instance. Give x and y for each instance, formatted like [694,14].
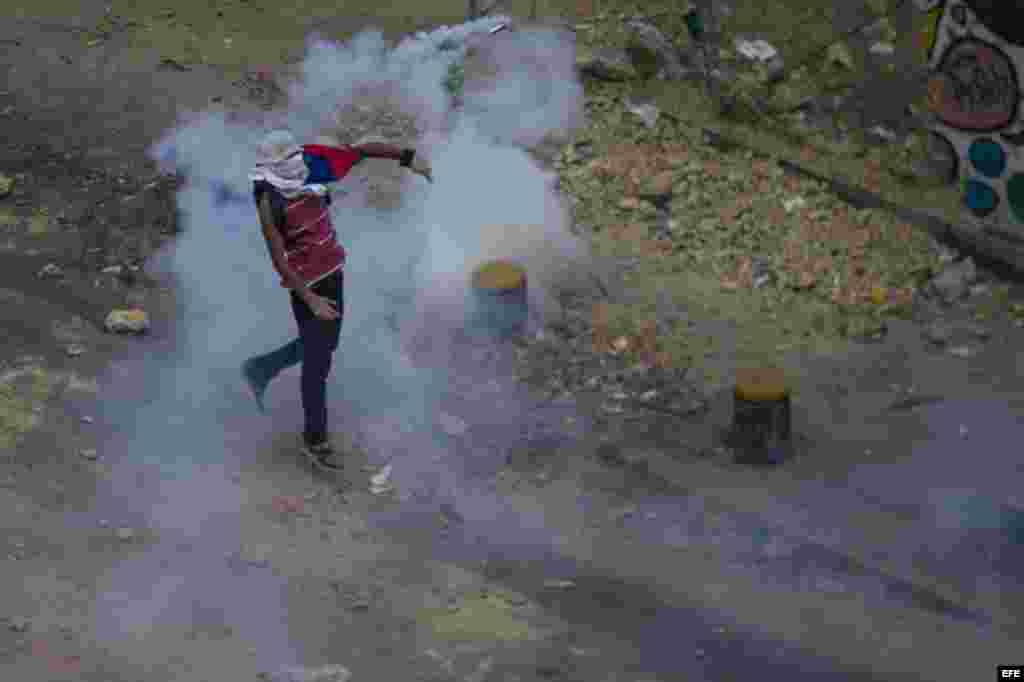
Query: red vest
[311,246]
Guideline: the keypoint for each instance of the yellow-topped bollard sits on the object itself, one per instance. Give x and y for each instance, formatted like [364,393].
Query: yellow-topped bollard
[761,416]
[498,306]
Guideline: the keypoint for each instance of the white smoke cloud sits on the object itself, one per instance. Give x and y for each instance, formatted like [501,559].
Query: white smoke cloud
[406,274]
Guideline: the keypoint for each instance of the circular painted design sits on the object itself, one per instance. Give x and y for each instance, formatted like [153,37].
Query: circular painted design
[979,89]
[1015,196]
[1004,18]
[981,199]
[988,157]
[942,156]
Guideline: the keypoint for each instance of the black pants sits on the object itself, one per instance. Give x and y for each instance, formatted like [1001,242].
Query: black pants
[318,339]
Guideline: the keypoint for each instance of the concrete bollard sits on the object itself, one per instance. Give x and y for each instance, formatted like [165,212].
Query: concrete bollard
[498,306]
[761,432]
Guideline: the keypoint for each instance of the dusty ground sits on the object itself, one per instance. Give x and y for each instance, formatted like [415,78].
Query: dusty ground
[674,564]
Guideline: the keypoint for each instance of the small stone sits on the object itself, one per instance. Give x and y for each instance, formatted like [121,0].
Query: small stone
[645,111]
[953,282]
[962,351]
[18,624]
[74,350]
[938,333]
[609,64]
[380,482]
[125,534]
[133,321]
[963,431]
[327,673]
[112,270]
[980,289]
[452,425]
[50,271]
[981,333]
[756,50]
[103,523]
[699,653]
[882,134]
[882,49]
[559,584]
[839,55]
[89,454]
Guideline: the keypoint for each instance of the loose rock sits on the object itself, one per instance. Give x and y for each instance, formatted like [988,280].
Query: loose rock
[380,482]
[74,350]
[610,64]
[938,333]
[962,351]
[125,534]
[882,49]
[452,425]
[651,38]
[648,113]
[127,322]
[18,624]
[89,454]
[327,673]
[50,271]
[953,283]
[839,55]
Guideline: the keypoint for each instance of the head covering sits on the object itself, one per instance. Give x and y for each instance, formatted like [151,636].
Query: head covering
[279,161]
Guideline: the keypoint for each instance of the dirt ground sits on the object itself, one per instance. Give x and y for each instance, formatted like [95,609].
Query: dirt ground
[800,572]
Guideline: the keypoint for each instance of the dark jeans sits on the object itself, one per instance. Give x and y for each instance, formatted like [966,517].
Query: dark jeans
[318,339]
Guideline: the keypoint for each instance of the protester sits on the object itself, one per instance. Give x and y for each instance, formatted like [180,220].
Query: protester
[294,209]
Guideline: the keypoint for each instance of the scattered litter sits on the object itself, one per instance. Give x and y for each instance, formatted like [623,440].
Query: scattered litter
[380,482]
[74,350]
[89,454]
[112,270]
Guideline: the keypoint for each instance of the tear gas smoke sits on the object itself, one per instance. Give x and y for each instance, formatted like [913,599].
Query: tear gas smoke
[405,279]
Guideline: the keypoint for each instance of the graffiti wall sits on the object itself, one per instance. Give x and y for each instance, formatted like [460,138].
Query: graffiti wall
[976,51]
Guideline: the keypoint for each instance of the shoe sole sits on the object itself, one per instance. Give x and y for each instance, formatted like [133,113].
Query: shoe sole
[314,459]
[256,395]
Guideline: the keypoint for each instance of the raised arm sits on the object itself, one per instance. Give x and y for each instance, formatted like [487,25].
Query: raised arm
[381,150]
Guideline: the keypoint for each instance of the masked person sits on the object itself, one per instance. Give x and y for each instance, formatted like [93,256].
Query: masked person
[294,211]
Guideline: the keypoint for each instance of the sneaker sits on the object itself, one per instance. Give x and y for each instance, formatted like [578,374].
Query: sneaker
[256,382]
[322,456]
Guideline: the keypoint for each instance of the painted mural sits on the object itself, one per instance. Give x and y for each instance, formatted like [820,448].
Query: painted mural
[975,49]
